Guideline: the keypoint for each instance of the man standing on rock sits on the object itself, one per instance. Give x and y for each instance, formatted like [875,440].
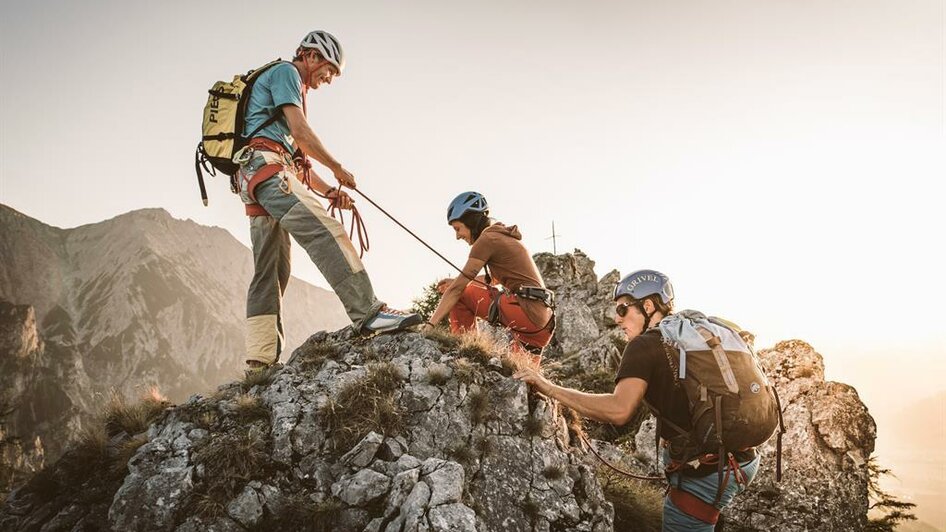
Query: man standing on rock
[644,299]
[278,186]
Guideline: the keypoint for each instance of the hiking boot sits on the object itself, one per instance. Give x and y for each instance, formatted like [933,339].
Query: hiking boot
[390,320]
[257,370]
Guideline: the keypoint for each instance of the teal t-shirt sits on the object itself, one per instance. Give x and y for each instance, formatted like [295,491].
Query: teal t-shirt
[280,85]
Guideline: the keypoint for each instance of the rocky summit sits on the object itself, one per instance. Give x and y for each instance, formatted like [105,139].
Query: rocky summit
[409,432]
[392,433]
[828,441]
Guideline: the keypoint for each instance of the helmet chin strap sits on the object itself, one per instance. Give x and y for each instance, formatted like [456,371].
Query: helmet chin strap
[647,316]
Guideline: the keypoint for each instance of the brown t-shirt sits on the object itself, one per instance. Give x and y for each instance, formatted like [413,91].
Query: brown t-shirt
[511,265]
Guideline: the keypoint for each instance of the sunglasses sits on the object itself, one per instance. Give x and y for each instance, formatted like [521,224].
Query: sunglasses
[621,308]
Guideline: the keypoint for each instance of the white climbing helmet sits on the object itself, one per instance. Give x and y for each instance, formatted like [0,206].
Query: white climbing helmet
[327,45]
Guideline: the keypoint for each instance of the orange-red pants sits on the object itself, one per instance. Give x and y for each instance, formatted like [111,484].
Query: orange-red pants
[474,303]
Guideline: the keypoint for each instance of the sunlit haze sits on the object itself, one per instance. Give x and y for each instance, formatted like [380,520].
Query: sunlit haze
[782,162]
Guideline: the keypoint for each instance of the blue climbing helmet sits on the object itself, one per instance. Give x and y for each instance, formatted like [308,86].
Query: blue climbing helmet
[464,203]
[643,283]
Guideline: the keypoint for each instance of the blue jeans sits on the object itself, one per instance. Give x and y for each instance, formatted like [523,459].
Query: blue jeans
[704,488]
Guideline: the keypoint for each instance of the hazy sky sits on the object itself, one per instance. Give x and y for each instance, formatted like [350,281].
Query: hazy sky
[782,161]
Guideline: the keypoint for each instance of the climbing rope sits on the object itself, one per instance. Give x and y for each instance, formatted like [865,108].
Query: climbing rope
[616,468]
[487,285]
[457,268]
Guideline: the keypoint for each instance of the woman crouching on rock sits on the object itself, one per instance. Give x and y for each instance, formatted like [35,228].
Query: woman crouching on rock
[521,304]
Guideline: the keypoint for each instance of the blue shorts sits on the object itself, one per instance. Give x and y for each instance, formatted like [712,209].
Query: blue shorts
[674,520]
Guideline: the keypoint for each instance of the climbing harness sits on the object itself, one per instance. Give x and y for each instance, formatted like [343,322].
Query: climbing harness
[526,292]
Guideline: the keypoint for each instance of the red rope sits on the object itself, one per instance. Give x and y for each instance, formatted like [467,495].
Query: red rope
[358,227]
[616,468]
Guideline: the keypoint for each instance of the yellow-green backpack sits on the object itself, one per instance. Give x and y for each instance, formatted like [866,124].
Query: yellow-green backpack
[222,127]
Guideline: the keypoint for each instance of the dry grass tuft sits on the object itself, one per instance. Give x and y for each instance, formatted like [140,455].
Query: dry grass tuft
[44,484]
[514,360]
[479,347]
[207,420]
[325,515]
[366,404]
[533,426]
[96,451]
[482,346]
[120,416]
[484,446]
[465,372]
[315,355]
[574,422]
[371,354]
[124,452]
[479,405]
[88,452]
[444,337]
[207,506]
[230,455]
[438,374]
[461,453]
[638,505]
[229,461]
[553,472]
[250,407]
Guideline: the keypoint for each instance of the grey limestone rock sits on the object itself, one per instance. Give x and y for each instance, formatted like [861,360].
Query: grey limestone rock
[247,508]
[466,450]
[363,453]
[361,488]
[452,518]
[829,436]
[445,480]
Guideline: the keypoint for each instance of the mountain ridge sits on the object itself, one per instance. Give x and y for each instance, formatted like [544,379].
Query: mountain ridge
[141,299]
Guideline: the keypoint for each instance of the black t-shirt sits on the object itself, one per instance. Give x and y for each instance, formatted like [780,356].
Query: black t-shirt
[645,357]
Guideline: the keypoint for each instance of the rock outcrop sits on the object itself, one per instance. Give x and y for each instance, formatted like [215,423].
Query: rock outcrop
[829,432]
[394,433]
[828,441]
[44,399]
[586,336]
[405,432]
[137,301]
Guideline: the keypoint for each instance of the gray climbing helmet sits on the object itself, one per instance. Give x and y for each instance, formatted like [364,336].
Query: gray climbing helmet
[643,283]
[328,47]
[464,203]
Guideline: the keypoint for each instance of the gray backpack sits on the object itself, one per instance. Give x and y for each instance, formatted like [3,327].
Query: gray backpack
[733,406]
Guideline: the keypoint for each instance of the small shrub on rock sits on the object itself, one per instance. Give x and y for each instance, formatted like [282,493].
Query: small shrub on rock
[553,472]
[313,356]
[250,407]
[366,404]
[229,460]
[479,405]
[443,336]
[533,426]
[465,372]
[438,374]
[120,416]
[478,347]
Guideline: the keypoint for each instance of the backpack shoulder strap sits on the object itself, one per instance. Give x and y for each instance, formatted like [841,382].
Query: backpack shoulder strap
[250,79]
[256,72]
[721,359]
